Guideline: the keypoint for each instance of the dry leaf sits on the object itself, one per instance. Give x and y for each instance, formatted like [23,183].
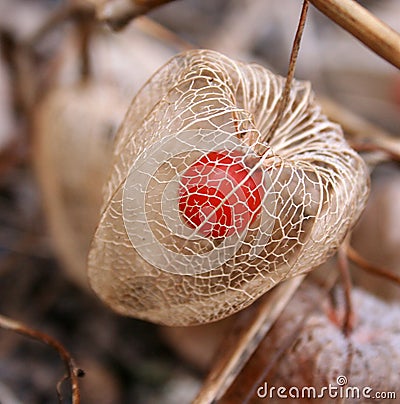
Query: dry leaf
[309,349]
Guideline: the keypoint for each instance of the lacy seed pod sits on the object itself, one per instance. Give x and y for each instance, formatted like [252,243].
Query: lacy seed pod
[205,209]
[74,127]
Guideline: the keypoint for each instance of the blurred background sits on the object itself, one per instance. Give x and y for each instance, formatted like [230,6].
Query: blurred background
[62,97]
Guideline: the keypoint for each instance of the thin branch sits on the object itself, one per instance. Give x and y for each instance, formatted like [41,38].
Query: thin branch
[362,134]
[356,125]
[355,257]
[371,147]
[118,13]
[20,65]
[359,22]
[290,75]
[73,372]
[282,350]
[158,31]
[8,48]
[343,264]
[84,28]
[229,366]
[264,368]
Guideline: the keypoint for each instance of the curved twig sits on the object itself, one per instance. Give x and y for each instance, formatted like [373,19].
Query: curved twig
[73,372]
[355,257]
[343,264]
[359,130]
[118,13]
[292,65]
[161,33]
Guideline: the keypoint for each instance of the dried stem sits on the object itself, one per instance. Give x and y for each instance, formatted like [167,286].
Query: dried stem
[344,269]
[233,360]
[358,129]
[359,22]
[285,346]
[20,65]
[8,50]
[287,342]
[355,257]
[84,28]
[118,13]
[370,147]
[290,75]
[73,372]
[354,124]
[158,31]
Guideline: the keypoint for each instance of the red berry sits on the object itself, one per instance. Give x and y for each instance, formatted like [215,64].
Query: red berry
[218,195]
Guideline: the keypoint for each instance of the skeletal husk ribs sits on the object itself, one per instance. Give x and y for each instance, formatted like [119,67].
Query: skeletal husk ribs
[317,190]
